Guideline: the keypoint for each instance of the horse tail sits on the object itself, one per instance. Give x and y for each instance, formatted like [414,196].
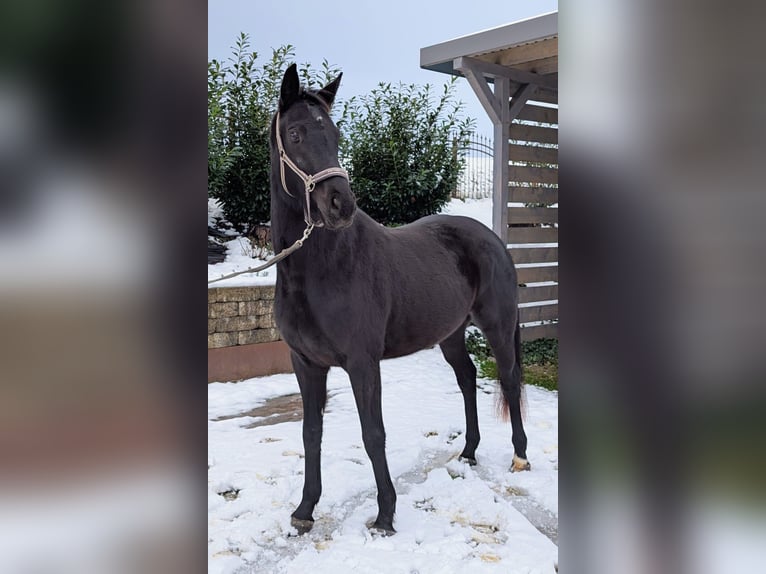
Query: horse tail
[518,368]
[516,384]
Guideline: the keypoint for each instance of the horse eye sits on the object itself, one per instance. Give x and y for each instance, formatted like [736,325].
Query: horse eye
[294,135]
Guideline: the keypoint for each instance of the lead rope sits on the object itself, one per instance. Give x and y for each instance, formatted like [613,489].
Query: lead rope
[310,182]
[274,260]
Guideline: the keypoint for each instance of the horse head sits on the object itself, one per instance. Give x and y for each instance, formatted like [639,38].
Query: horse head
[306,141]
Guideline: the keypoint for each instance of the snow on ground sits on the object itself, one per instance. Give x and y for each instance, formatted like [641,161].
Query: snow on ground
[451,517]
[239,256]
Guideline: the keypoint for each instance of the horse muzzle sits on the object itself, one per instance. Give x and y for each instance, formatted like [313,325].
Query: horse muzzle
[336,203]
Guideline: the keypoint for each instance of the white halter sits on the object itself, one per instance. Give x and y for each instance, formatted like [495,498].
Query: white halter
[309,180]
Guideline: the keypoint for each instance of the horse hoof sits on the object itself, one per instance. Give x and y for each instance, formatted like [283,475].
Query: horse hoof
[470,460]
[379,530]
[520,464]
[302,526]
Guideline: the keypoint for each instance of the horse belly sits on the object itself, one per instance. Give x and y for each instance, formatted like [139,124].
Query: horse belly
[425,322]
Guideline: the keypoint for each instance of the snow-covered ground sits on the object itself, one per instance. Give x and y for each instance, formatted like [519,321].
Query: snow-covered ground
[239,256]
[450,517]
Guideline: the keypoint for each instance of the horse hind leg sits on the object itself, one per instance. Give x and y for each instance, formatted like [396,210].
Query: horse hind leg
[455,352]
[506,345]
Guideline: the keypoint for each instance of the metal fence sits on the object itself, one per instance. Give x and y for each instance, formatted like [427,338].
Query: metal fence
[475,180]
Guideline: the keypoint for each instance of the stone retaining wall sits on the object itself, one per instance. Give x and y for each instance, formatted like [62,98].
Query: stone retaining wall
[240,316]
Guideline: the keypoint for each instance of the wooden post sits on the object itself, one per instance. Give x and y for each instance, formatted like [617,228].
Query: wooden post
[453,192]
[501,111]
[502,130]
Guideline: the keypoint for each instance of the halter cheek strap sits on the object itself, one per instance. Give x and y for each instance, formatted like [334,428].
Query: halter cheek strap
[309,180]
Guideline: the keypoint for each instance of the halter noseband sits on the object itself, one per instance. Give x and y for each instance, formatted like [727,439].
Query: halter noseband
[309,180]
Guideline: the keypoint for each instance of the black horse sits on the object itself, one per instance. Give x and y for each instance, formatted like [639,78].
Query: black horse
[358,292]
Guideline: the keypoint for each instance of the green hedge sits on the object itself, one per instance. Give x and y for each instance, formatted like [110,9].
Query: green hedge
[401,147]
[399,143]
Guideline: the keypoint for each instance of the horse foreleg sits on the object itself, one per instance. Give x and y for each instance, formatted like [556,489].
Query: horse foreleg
[365,381]
[312,381]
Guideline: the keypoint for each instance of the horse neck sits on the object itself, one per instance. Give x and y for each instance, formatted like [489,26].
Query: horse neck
[324,249]
[287,225]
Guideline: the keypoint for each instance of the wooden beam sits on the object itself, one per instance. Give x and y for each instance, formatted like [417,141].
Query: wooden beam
[534,254]
[525,132]
[535,154]
[550,331]
[538,293]
[537,274]
[520,55]
[500,167]
[497,71]
[532,174]
[542,66]
[538,313]
[520,235]
[520,98]
[539,114]
[546,95]
[517,194]
[481,88]
[533,215]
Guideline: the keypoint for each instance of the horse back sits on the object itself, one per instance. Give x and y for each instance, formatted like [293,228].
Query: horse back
[441,268]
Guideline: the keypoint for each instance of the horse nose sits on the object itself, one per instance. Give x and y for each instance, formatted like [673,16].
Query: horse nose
[342,205]
[336,204]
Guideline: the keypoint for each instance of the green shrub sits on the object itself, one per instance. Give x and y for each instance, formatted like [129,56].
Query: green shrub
[540,352]
[545,376]
[539,359]
[242,97]
[477,344]
[400,147]
[399,143]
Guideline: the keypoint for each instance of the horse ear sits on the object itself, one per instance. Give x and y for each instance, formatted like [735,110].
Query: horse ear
[328,92]
[291,87]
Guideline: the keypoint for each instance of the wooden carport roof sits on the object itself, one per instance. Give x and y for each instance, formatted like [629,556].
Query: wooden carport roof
[526,52]
[521,60]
